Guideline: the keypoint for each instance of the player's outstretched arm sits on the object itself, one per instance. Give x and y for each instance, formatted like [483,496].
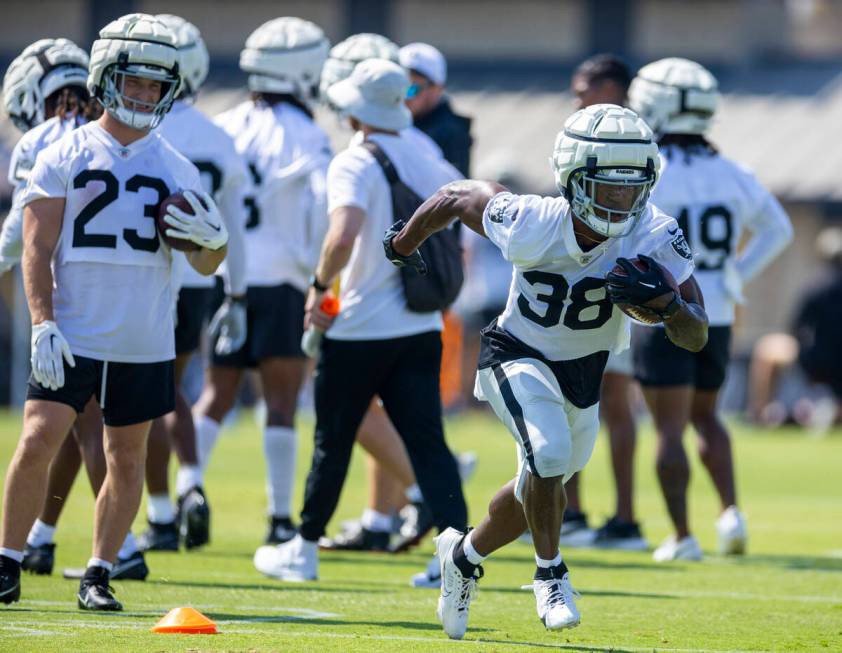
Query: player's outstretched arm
[685,320]
[465,200]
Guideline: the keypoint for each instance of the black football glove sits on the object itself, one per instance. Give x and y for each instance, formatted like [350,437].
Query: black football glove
[414,260]
[636,287]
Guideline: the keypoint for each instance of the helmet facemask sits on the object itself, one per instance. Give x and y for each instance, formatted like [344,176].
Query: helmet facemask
[610,199]
[138,114]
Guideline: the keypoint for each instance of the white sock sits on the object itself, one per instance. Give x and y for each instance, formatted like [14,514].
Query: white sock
[128,549]
[188,477]
[207,432]
[11,553]
[470,552]
[546,564]
[159,509]
[376,521]
[279,447]
[99,562]
[413,494]
[40,534]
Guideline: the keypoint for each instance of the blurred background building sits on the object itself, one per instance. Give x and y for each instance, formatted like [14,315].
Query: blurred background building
[779,63]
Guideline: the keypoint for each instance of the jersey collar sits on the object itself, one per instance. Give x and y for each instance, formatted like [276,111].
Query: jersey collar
[124,152]
[572,245]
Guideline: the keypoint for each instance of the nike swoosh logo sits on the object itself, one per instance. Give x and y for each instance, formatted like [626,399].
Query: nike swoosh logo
[672,232]
[648,285]
[217,229]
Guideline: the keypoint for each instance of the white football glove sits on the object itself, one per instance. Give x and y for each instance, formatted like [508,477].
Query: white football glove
[732,282]
[49,351]
[229,327]
[205,228]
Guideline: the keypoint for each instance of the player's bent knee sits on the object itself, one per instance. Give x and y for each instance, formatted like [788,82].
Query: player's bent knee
[551,459]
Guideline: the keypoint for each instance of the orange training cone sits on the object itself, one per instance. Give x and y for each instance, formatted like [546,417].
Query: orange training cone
[185,620]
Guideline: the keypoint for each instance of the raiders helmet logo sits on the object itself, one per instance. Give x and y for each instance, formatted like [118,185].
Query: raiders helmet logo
[681,247]
[497,208]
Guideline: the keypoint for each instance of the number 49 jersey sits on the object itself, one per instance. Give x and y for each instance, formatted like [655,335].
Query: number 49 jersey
[714,201]
[557,302]
[112,294]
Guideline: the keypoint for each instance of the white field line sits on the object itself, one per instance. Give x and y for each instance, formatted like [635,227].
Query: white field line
[742,596]
[392,638]
[302,613]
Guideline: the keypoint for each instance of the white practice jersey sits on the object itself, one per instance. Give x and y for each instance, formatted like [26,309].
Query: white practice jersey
[557,302]
[224,176]
[287,155]
[372,302]
[112,292]
[20,166]
[715,201]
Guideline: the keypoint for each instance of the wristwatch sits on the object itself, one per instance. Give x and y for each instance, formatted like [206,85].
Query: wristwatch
[314,282]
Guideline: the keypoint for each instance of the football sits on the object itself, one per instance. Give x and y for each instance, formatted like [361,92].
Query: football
[641,313]
[181,202]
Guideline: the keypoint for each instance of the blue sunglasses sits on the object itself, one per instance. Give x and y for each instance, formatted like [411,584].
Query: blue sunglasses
[415,89]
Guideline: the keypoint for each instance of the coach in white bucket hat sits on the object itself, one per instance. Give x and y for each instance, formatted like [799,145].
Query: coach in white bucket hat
[374,94]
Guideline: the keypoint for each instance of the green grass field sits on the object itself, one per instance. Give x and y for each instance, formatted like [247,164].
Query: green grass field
[786,595]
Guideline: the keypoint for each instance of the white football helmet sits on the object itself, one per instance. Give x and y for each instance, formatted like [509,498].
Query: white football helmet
[285,55]
[43,68]
[344,57]
[608,151]
[193,57]
[136,45]
[675,96]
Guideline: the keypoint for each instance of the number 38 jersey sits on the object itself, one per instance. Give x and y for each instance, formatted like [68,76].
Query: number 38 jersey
[557,302]
[714,200]
[112,293]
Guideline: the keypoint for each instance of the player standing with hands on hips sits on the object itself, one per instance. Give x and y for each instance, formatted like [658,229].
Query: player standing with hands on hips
[98,282]
[542,360]
[715,201]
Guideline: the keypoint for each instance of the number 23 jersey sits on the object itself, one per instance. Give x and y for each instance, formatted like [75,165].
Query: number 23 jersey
[557,302]
[112,292]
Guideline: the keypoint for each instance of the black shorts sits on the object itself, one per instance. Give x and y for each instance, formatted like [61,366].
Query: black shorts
[192,311]
[275,321]
[129,393]
[658,362]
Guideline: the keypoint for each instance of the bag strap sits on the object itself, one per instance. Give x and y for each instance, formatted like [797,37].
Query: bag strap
[385,163]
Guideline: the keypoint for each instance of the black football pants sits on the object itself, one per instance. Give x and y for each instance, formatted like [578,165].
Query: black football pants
[404,372]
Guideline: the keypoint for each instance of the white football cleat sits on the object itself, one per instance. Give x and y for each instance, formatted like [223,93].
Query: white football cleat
[456,590]
[732,531]
[555,599]
[429,578]
[296,561]
[687,548]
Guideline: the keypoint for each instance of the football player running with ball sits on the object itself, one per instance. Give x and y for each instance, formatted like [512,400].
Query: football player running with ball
[98,282]
[715,201]
[542,359]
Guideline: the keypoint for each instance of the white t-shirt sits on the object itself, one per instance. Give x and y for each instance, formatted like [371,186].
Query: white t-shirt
[372,303]
[20,166]
[557,301]
[224,176]
[287,155]
[714,200]
[112,293]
